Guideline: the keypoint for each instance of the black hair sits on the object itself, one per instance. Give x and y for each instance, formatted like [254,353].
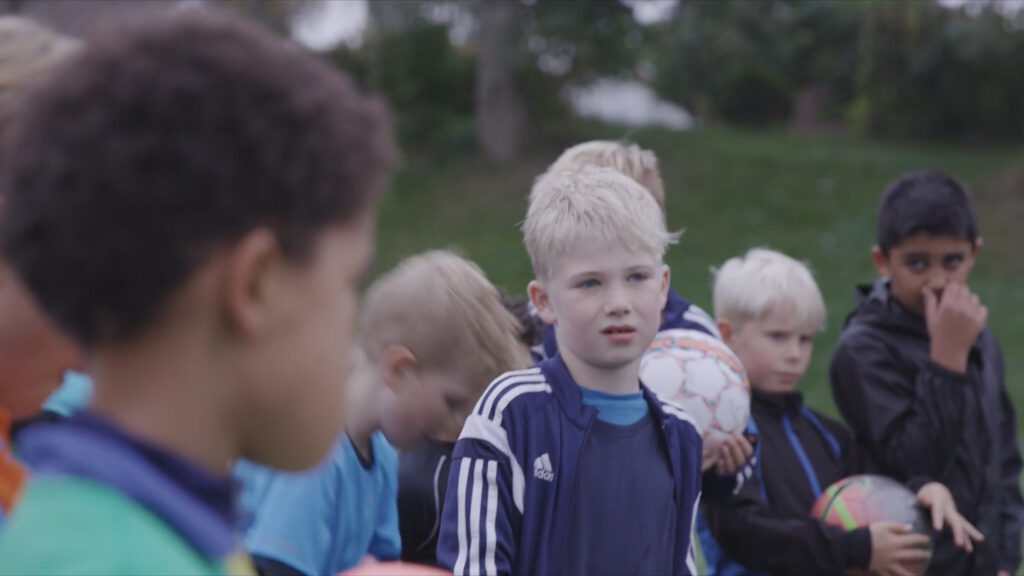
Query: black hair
[529,324]
[928,201]
[165,140]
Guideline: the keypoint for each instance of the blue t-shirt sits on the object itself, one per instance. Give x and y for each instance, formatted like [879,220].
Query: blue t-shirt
[618,409]
[324,520]
[636,496]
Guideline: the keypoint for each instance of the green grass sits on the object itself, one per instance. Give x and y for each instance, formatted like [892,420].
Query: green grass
[812,197]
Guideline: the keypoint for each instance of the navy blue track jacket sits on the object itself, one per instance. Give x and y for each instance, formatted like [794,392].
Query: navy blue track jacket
[513,475]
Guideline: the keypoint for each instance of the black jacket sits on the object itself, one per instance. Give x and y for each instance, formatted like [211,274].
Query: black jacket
[767,527]
[422,484]
[917,418]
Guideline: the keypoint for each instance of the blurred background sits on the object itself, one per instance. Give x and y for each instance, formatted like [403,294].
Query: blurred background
[777,122]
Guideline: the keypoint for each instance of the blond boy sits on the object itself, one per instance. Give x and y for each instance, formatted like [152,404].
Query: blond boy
[769,309]
[678,314]
[573,467]
[411,386]
[623,156]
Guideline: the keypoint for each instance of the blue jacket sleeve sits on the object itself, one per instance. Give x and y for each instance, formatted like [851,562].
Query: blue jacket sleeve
[482,510]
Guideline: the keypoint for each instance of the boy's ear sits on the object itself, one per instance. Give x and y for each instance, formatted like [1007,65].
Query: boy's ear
[540,300]
[726,329]
[248,289]
[978,242]
[881,261]
[397,364]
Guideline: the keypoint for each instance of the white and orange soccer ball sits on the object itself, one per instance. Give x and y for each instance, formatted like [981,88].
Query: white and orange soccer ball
[703,376]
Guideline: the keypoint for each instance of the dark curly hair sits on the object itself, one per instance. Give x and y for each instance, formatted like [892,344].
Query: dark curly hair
[164,140]
[529,324]
[927,201]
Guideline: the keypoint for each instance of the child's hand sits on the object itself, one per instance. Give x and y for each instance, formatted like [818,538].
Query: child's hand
[894,548]
[944,513]
[734,452]
[953,324]
[708,458]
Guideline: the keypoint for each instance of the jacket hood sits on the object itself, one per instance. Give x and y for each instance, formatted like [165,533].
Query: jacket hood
[875,306]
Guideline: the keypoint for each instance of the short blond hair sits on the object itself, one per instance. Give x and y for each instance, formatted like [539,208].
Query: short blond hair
[447,313]
[28,51]
[761,281]
[626,157]
[593,204]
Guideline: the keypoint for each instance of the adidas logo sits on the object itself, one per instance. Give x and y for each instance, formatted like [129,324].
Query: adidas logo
[542,468]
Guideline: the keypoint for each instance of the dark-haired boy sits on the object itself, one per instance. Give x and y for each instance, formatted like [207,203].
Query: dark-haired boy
[920,379]
[190,199]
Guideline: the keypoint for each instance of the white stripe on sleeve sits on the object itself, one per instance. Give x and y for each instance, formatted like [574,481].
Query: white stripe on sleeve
[492,511]
[517,392]
[513,379]
[479,428]
[460,562]
[475,519]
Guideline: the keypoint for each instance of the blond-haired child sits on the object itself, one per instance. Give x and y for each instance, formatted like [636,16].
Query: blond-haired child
[641,165]
[769,309]
[433,331]
[626,157]
[572,466]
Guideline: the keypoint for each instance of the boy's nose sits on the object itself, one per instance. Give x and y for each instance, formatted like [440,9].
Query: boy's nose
[793,351]
[617,302]
[937,282]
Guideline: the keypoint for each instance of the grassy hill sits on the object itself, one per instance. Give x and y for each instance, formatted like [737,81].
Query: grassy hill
[812,197]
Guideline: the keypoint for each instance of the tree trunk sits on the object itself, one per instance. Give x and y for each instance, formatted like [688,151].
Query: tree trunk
[500,114]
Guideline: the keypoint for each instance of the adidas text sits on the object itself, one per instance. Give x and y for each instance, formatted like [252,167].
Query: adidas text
[542,468]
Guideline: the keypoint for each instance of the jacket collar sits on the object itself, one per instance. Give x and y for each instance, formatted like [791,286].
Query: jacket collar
[567,392]
[777,403]
[876,306]
[196,504]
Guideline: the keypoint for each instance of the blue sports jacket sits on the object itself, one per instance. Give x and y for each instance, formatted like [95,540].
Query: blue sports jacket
[513,475]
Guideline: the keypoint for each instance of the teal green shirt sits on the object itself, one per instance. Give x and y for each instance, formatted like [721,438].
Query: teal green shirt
[68,525]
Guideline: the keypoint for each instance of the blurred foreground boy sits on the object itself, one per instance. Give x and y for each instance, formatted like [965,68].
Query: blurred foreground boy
[573,467]
[192,201]
[769,309]
[919,377]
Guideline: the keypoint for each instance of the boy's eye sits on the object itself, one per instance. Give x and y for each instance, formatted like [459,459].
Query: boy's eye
[639,276]
[916,264]
[807,339]
[589,283]
[777,336]
[952,262]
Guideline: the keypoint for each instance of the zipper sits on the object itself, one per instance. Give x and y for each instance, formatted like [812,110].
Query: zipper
[574,482]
